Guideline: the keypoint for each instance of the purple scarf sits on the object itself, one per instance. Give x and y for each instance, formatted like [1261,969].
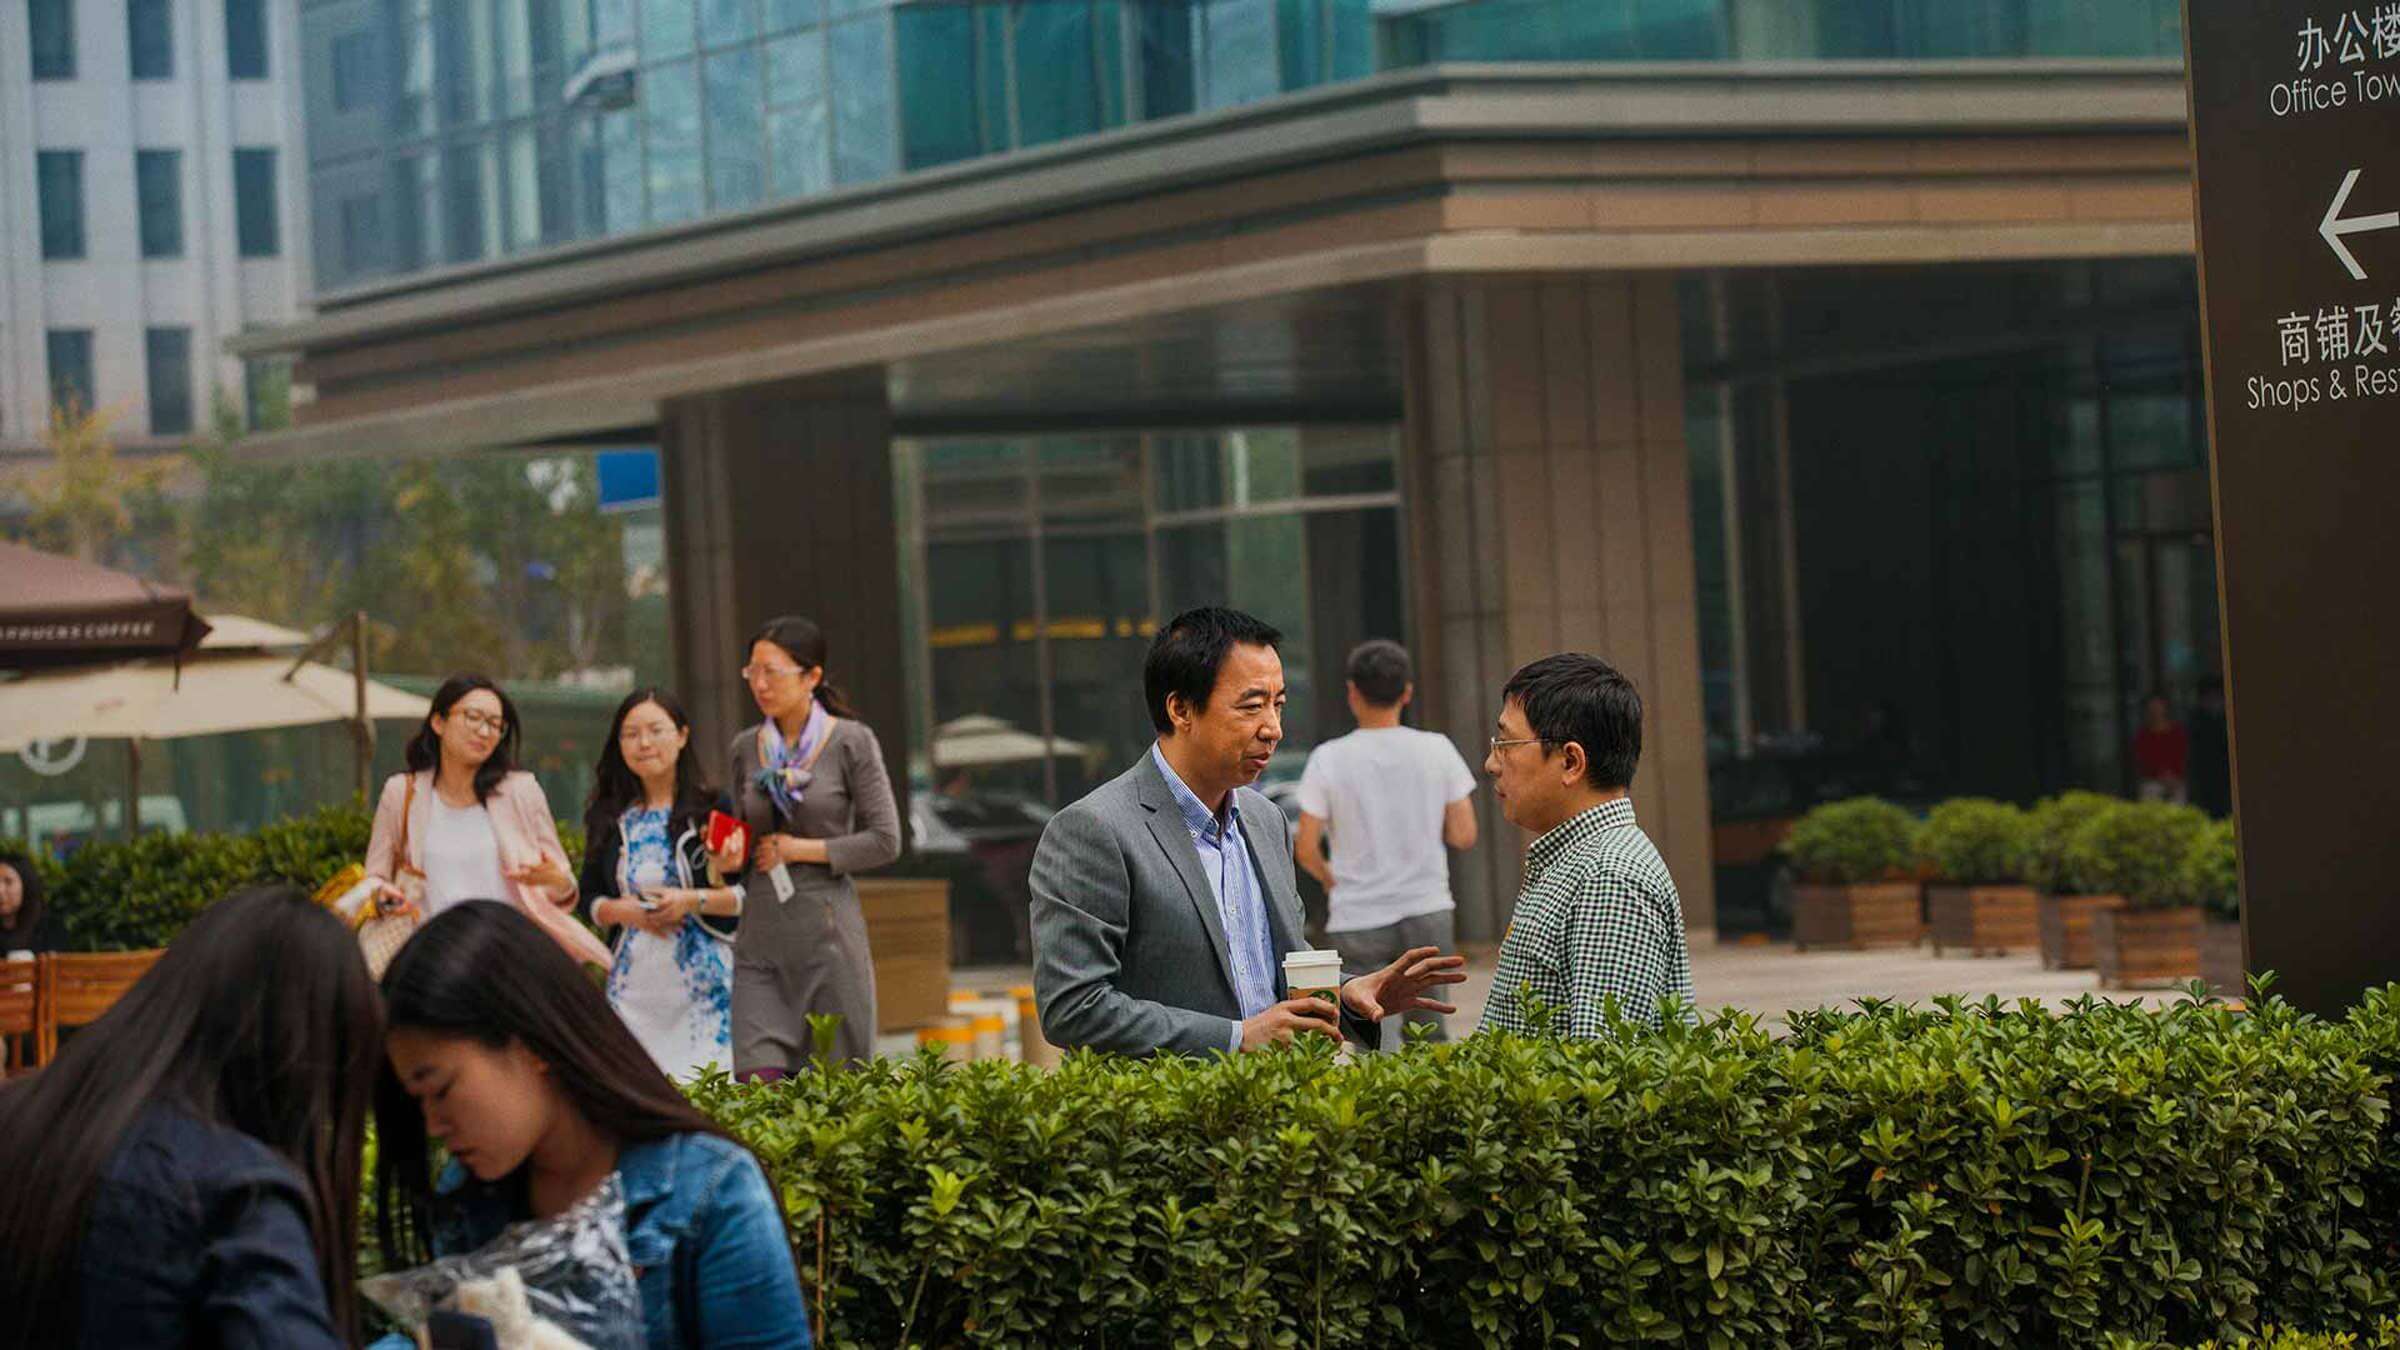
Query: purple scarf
[783,770]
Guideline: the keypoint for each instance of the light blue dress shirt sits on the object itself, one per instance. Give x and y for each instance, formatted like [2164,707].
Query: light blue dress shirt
[1240,894]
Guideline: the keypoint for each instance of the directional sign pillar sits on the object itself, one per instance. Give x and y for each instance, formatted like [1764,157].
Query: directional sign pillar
[2296,148]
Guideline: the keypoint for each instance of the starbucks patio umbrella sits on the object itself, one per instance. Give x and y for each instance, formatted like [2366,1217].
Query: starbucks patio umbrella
[243,677]
[57,612]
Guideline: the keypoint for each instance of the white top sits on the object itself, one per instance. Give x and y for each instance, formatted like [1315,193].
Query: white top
[1381,793]
[461,858]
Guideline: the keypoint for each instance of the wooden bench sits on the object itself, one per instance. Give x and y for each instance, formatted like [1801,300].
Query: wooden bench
[20,1016]
[78,988]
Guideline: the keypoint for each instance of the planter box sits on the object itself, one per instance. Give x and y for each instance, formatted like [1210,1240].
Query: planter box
[2147,946]
[2066,922]
[908,943]
[2221,957]
[1986,920]
[1876,914]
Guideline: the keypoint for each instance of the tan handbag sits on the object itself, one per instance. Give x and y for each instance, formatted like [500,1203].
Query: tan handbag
[381,935]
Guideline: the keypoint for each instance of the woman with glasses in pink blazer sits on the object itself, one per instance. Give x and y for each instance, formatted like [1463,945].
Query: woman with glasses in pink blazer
[464,823]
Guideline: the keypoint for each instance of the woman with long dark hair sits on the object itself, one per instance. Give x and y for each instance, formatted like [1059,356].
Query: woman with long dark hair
[187,1172]
[809,781]
[25,925]
[501,1052]
[647,869]
[465,823]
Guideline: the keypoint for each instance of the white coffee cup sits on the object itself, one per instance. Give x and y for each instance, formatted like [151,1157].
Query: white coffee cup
[1313,972]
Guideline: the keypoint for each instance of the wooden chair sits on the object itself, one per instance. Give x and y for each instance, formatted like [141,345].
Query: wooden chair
[78,987]
[20,1017]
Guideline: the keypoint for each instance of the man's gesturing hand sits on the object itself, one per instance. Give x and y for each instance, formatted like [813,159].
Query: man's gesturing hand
[1401,986]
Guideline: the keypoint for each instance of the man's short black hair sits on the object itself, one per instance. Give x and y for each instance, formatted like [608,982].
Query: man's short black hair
[1579,698]
[1381,670]
[1188,653]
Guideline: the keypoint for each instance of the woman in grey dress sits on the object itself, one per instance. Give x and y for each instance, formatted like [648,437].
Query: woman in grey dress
[810,783]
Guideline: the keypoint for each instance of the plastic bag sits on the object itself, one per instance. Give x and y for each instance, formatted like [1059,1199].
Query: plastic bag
[577,1275]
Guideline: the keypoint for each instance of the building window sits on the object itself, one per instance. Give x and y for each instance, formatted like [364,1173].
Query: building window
[267,392]
[158,185]
[168,353]
[257,225]
[246,39]
[71,368]
[150,38]
[51,30]
[354,82]
[60,175]
[362,235]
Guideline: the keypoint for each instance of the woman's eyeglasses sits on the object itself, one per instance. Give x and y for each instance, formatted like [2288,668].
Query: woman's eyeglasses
[481,721]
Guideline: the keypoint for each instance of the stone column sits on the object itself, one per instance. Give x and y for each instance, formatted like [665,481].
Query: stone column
[778,500]
[1549,510]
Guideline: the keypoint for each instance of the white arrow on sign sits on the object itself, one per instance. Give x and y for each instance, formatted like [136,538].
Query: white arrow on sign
[2333,227]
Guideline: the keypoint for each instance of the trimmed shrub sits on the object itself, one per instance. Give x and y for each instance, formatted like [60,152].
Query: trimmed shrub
[140,893]
[1980,1174]
[1847,842]
[2054,823]
[2136,850]
[113,895]
[2384,1335]
[2211,875]
[1975,841]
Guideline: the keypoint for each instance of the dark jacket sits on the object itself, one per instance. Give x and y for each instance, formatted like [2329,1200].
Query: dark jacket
[198,1236]
[42,935]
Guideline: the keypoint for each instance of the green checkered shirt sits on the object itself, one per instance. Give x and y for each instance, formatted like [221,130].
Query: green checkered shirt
[1598,917]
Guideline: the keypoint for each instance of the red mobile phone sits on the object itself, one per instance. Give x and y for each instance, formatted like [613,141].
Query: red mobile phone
[722,827]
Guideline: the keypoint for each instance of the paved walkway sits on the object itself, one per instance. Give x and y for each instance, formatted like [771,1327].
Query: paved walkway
[1771,978]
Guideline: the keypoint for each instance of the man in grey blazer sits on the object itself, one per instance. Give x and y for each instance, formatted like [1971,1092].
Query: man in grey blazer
[1163,903]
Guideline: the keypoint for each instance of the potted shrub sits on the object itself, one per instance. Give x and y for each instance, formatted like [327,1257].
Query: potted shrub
[1854,887]
[2068,901]
[2137,850]
[2212,877]
[1979,854]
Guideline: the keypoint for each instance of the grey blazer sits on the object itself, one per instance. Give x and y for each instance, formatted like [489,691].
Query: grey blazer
[1128,947]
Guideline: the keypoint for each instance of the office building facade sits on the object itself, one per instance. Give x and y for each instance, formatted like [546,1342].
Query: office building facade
[1831,367]
[156,210]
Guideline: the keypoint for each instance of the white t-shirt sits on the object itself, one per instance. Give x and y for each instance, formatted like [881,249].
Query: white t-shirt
[1381,793]
[462,858]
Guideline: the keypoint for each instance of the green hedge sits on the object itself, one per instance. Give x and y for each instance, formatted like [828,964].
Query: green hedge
[2384,1335]
[123,895]
[114,895]
[1979,1174]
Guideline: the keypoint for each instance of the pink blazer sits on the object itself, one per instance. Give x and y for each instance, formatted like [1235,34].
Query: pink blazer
[525,830]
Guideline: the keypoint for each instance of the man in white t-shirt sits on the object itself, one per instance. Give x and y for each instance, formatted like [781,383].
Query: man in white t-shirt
[1391,797]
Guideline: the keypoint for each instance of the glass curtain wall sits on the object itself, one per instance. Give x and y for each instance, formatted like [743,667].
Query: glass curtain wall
[1418,32]
[452,131]
[1036,571]
[1952,528]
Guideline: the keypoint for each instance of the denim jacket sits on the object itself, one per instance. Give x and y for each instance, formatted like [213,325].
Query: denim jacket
[707,1241]
[199,1236]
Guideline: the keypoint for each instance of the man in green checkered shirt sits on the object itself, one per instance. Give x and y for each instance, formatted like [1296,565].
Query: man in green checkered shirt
[1598,919]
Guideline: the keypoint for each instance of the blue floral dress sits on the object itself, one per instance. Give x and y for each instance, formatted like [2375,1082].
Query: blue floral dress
[676,993]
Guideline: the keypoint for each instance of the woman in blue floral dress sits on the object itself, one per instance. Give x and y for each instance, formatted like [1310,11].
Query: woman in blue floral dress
[656,890]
